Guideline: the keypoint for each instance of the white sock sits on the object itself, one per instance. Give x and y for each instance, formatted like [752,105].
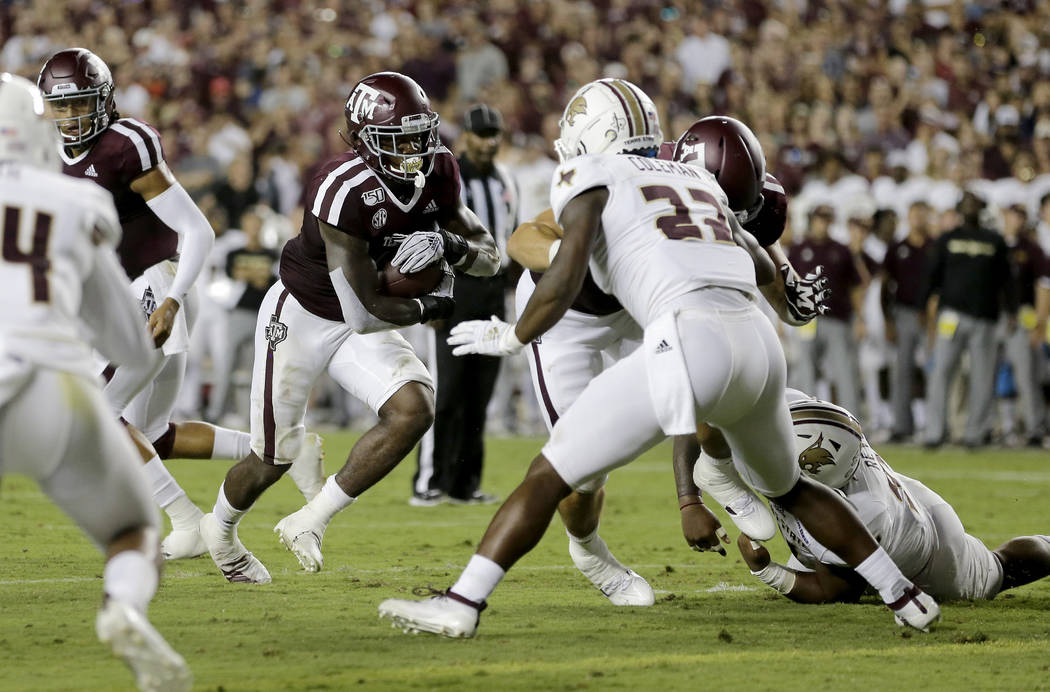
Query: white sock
[330,501]
[173,499]
[479,579]
[704,456]
[130,577]
[231,444]
[165,488]
[227,515]
[584,540]
[881,572]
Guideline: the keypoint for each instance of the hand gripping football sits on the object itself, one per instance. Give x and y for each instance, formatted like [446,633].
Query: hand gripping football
[393,283]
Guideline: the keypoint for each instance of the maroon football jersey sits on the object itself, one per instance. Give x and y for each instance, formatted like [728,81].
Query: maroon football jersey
[347,194]
[124,151]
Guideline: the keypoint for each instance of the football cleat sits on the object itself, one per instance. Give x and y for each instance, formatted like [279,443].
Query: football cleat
[230,556]
[448,615]
[183,543]
[428,498]
[307,470]
[915,609]
[130,636]
[301,533]
[724,485]
[622,586]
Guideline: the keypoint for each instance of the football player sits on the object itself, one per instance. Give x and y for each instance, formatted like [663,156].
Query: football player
[919,530]
[596,331]
[59,271]
[659,237]
[393,197]
[164,245]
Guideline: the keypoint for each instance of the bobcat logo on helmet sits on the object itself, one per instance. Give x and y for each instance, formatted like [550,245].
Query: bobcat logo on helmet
[815,456]
[578,106]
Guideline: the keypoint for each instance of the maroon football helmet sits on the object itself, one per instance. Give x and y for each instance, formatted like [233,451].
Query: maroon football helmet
[392,127]
[730,151]
[69,76]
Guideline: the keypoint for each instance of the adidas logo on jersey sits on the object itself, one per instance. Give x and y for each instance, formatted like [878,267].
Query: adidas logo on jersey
[663,346]
[431,207]
[91,171]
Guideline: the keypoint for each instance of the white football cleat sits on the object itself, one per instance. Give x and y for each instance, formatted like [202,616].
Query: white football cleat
[230,556]
[444,615]
[915,609]
[622,586]
[183,543]
[301,533]
[307,470]
[130,636]
[741,503]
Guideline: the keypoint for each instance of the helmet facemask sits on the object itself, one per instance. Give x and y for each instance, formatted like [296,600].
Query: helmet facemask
[406,151]
[90,112]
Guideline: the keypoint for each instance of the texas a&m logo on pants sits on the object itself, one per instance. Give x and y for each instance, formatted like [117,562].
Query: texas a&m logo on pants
[276,332]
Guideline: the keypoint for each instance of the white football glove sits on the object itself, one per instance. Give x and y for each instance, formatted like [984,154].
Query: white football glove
[419,250]
[805,297]
[492,337]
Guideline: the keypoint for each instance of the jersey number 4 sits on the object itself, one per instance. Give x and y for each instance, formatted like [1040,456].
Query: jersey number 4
[36,258]
[681,224]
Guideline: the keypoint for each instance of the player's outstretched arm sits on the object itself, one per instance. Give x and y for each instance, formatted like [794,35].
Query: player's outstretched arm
[796,299]
[823,585]
[701,528]
[356,281]
[581,220]
[470,247]
[765,271]
[534,243]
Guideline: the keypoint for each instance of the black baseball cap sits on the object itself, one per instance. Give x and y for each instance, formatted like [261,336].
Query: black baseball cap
[483,120]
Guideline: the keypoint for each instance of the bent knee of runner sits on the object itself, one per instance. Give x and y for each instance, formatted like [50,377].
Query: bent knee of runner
[410,408]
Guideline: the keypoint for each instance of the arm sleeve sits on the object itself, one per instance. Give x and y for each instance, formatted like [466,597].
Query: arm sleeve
[176,209]
[355,314]
[116,320]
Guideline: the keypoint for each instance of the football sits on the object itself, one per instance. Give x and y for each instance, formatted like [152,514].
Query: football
[393,283]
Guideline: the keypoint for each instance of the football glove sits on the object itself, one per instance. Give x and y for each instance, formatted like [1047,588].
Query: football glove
[438,304]
[418,250]
[805,297]
[492,337]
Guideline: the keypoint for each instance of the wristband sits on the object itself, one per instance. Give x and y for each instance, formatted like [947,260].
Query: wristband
[456,247]
[434,307]
[553,251]
[777,576]
[689,504]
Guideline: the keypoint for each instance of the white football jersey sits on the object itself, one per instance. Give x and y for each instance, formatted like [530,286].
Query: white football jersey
[665,230]
[60,273]
[898,521]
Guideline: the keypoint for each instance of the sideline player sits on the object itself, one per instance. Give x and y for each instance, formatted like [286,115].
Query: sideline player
[366,206]
[165,243]
[919,530]
[596,331]
[659,237]
[58,268]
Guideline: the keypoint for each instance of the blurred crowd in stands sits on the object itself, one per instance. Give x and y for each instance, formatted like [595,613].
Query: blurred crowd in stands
[877,115]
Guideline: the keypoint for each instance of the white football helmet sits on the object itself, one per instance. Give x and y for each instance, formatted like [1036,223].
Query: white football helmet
[827,441]
[610,116]
[25,134]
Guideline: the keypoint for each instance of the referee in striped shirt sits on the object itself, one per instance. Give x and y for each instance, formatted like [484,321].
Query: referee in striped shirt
[452,452]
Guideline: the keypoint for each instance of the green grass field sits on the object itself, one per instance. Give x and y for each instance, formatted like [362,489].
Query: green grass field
[713,626]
